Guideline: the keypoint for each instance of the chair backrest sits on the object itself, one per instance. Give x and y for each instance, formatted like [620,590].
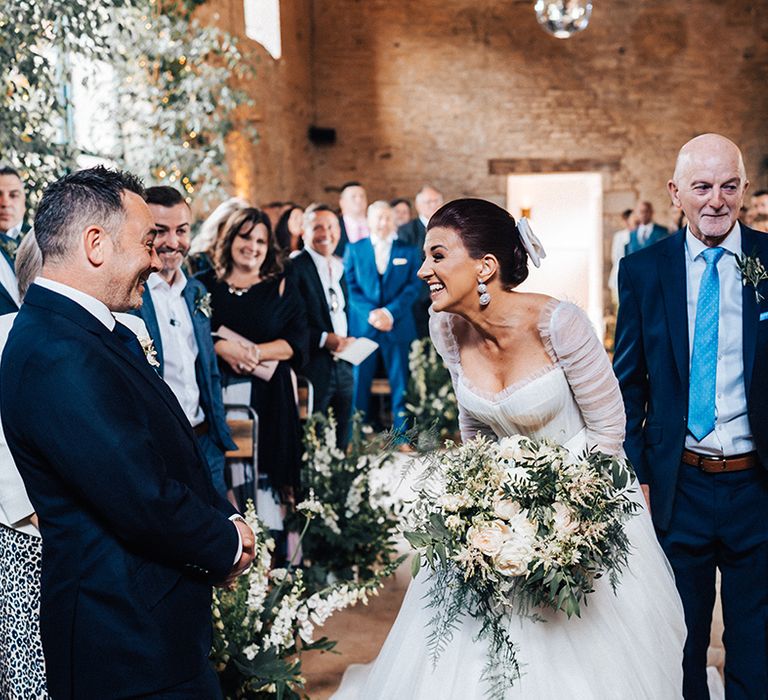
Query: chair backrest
[244,427]
[242,434]
[305,392]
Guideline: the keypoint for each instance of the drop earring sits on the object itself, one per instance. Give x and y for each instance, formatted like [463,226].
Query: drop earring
[482,290]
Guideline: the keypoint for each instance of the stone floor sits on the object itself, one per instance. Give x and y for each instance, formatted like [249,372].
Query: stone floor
[360,633]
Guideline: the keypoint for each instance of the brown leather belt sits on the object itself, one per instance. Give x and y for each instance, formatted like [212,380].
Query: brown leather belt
[201,428]
[717,465]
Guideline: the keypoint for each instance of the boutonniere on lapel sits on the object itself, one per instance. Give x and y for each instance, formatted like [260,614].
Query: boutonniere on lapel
[203,304]
[148,346]
[752,273]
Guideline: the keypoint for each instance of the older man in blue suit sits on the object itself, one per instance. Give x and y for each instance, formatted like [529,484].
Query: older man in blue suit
[383,286]
[177,313]
[692,361]
[134,533]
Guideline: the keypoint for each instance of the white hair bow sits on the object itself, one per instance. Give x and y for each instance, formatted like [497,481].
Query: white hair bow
[531,244]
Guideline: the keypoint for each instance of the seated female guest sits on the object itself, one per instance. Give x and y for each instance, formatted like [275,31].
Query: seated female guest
[289,231]
[200,256]
[251,297]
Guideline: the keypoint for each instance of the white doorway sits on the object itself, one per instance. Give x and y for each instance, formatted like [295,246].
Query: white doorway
[565,211]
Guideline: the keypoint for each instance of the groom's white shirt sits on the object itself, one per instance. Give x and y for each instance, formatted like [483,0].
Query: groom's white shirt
[91,304]
[732,434]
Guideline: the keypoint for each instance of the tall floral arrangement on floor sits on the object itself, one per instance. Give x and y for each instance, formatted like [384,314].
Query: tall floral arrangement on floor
[430,401]
[264,624]
[353,537]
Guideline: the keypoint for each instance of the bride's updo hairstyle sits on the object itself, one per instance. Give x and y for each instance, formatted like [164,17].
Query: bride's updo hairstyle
[486,228]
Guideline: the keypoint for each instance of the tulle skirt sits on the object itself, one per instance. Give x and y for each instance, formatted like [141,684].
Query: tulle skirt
[627,645]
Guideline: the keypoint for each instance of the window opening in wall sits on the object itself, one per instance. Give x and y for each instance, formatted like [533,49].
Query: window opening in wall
[262,24]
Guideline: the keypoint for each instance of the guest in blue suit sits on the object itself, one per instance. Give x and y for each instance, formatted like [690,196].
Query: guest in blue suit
[177,313]
[12,231]
[133,531]
[383,286]
[647,232]
[692,361]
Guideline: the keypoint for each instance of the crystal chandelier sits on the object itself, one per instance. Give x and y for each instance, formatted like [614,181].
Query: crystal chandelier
[563,18]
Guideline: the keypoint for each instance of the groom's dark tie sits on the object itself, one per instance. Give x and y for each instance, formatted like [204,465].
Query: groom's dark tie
[128,338]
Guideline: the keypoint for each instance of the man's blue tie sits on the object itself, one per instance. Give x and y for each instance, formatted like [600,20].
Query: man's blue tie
[702,386]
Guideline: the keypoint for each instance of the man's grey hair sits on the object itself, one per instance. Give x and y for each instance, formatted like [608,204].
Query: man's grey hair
[92,197]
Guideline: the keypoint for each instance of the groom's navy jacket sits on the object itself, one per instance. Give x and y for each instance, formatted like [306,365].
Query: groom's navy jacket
[652,361]
[133,532]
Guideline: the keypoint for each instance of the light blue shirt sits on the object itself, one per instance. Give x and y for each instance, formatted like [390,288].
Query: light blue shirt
[732,434]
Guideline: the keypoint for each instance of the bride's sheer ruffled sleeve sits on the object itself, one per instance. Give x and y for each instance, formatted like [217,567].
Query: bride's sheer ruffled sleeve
[573,344]
[443,337]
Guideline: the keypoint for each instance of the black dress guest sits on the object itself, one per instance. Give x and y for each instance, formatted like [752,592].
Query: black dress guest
[250,296]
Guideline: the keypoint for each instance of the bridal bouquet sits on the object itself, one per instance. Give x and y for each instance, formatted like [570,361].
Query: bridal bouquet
[514,527]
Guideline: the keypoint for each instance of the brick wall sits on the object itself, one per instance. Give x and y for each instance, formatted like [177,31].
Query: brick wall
[436,90]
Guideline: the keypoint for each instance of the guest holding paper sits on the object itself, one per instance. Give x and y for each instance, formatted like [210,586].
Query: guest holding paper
[319,277]
[176,311]
[260,320]
[383,286]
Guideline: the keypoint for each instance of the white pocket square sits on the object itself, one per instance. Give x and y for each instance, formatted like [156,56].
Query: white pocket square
[399,261]
[764,315]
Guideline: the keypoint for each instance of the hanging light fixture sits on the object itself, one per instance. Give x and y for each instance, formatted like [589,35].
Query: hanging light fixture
[563,18]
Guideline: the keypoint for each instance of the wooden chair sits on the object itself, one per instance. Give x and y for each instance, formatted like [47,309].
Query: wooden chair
[305,393]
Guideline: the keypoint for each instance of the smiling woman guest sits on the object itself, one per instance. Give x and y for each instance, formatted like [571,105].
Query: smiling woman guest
[250,296]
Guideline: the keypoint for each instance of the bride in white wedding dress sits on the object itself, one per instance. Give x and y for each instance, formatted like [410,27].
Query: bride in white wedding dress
[532,365]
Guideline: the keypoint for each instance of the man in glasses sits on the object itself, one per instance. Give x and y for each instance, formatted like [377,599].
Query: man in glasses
[319,275]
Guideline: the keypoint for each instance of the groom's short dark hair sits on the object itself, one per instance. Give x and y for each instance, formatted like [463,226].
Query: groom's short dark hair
[82,198]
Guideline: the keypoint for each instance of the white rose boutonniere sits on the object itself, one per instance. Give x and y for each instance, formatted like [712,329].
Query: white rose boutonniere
[148,346]
[752,272]
[203,304]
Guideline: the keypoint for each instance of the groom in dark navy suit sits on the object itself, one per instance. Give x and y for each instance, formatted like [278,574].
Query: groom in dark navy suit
[133,532]
[692,361]
[176,311]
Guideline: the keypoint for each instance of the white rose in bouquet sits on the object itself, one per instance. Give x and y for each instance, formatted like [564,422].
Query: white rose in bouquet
[506,509]
[511,449]
[514,556]
[488,538]
[564,520]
